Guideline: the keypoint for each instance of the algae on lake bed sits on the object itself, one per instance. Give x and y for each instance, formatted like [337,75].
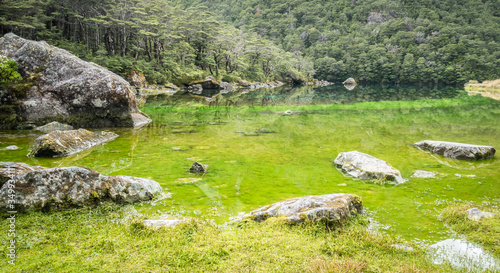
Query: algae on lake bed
[247,172]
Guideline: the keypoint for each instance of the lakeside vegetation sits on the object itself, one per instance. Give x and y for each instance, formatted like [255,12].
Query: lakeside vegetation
[100,240]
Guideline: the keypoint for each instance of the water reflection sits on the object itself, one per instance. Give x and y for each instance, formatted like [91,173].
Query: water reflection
[463,254]
[307,95]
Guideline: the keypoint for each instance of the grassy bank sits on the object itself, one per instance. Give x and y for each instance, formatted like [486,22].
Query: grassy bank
[113,239]
[485,232]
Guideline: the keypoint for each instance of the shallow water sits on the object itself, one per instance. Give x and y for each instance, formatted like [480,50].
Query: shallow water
[249,171]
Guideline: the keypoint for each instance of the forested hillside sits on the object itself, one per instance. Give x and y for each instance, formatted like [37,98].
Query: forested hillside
[378,41]
[164,41]
[387,41]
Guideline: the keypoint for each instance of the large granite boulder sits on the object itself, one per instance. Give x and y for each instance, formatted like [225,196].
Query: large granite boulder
[457,150]
[36,188]
[333,208]
[364,166]
[65,143]
[68,89]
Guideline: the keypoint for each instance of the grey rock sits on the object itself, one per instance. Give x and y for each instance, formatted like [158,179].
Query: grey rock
[349,81]
[423,174]
[333,208]
[53,126]
[65,143]
[11,169]
[69,89]
[12,148]
[46,188]
[195,89]
[476,214]
[164,222]
[457,150]
[197,167]
[265,131]
[364,166]
[251,134]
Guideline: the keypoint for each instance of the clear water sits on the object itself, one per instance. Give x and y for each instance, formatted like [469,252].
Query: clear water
[249,171]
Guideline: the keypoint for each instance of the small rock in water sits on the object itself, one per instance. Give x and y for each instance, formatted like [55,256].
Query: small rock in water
[365,166]
[423,174]
[189,180]
[403,247]
[251,134]
[265,131]
[333,208]
[457,150]
[65,143]
[164,222]
[476,214]
[197,167]
[12,148]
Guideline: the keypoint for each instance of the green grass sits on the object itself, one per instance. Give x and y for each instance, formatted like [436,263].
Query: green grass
[485,232]
[95,239]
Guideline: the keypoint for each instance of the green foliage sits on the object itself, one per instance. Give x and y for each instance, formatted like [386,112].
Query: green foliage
[372,41]
[167,43]
[8,72]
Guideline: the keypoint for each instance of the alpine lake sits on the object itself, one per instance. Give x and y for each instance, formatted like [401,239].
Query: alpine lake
[268,145]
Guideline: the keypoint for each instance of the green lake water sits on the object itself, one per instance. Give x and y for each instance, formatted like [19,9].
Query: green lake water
[249,171]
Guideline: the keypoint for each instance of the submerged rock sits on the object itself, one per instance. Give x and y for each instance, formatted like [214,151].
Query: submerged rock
[265,131]
[164,222]
[12,148]
[54,126]
[65,143]
[364,166]
[68,89]
[424,174]
[476,214]
[37,188]
[334,208]
[197,167]
[457,150]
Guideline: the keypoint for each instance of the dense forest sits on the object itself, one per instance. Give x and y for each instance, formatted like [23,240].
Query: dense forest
[384,41]
[164,41]
[374,41]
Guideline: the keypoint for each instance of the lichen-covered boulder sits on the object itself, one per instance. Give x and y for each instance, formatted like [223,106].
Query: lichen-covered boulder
[333,208]
[53,126]
[457,150]
[45,188]
[365,166]
[65,143]
[11,169]
[70,90]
